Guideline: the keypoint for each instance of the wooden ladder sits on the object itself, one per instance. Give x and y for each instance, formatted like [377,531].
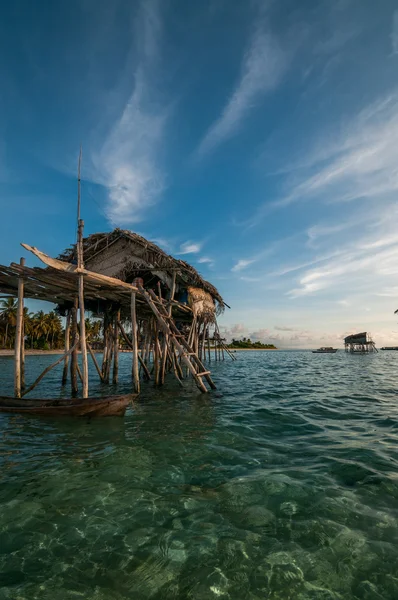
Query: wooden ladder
[186,352]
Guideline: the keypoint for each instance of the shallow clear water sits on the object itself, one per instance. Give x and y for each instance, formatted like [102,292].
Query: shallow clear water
[281,485]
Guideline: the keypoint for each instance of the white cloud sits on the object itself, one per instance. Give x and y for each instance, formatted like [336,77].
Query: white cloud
[206,260]
[394,33]
[190,248]
[262,69]
[126,162]
[241,264]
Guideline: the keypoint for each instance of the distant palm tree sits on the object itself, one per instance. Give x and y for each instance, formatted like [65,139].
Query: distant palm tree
[8,315]
[54,326]
[93,328]
[41,325]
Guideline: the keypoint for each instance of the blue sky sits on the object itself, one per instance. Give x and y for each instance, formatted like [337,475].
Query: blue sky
[258,140]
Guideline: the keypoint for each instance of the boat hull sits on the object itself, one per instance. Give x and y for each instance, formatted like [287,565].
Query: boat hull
[324,351]
[111,406]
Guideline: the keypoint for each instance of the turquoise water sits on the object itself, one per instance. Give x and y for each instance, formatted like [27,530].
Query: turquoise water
[281,485]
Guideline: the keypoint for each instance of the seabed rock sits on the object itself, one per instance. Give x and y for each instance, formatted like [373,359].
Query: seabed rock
[257,516]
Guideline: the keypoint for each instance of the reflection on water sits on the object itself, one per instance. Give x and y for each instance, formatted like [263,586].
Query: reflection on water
[282,486]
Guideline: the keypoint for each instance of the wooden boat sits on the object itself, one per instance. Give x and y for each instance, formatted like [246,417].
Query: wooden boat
[325,350]
[68,407]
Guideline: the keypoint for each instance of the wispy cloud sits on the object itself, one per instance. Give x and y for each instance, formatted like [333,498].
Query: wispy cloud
[394,33]
[241,264]
[127,160]
[363,266]
[190,248]
[361,164]
[206,260]
[262,69]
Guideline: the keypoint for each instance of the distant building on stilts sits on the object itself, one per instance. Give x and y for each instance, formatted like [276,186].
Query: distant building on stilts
[359,343]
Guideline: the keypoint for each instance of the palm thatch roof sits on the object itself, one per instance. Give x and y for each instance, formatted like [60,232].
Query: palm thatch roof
[150,257]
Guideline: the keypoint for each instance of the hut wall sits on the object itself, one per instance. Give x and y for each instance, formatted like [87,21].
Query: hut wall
[113,260]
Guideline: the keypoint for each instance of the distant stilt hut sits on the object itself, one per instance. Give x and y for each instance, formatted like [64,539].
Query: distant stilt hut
[359,343]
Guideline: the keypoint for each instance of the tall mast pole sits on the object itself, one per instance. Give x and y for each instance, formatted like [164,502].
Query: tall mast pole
[80,265]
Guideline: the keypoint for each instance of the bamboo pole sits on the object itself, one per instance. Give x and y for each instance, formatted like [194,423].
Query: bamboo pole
[180,346]
[142,363]
[110,353]
[147,341]
[18,336]
[79,373]
[95,362]
[166,337]
[31,387]
[136,375]
[23,353]
[83,346]
[116,350]
[67,346]
[73,362]
[105,348]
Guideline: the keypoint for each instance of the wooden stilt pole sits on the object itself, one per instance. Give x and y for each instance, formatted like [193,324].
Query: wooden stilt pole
[83,346]
[80,264]
[116,350]
[166,337]
[110,353]
[73,362]
[95,362]
[166,328]
[18,337]
[156,355]
[23,352]
[147,375]
[67,345]
[136,375]
[105,345]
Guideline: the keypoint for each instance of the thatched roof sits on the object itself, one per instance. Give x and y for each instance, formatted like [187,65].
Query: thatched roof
[151,256]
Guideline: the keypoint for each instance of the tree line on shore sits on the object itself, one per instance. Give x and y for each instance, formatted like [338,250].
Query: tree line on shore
[43,331]
[247,343]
